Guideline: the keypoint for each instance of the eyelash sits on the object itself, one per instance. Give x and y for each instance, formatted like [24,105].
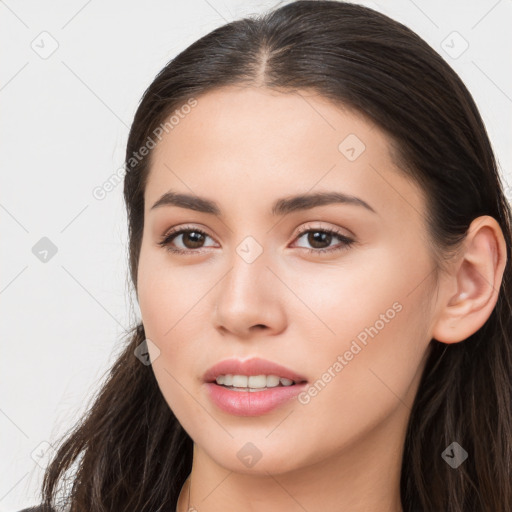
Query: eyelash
[168,237]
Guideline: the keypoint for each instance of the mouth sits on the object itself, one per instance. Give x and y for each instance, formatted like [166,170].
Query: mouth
[251,387]
[252,395]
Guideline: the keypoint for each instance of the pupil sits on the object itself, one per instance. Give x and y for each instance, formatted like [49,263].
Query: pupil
[316,237]
[195,243]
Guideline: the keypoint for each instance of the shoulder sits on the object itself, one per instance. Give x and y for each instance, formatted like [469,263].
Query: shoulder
[39,508]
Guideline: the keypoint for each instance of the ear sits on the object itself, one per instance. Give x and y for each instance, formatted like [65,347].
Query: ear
[471,291]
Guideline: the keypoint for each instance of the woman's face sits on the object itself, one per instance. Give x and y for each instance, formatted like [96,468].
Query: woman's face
[354,320]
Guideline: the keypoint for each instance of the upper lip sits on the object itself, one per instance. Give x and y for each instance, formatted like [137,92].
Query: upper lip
[252,366]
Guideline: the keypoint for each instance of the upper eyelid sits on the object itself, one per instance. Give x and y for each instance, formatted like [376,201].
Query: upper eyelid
[310,227]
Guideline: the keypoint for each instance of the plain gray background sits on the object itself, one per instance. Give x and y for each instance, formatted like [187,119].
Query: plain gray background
[71,77]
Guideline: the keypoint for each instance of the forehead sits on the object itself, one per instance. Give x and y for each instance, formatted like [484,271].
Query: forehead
[259,119]
[245,145]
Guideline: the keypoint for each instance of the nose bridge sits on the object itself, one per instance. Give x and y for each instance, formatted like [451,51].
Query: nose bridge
[248,276]
[246,295]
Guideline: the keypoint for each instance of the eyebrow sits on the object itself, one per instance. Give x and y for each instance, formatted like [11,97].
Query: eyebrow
[282,206]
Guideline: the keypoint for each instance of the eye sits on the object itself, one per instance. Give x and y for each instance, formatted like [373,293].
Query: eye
[323,236]
[191,236]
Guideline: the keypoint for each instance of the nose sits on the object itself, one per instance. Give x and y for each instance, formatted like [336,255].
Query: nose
[249,299]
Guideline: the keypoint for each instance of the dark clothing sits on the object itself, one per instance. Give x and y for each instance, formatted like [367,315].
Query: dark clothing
[39,508]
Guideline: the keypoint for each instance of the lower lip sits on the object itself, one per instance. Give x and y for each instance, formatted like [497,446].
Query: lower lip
[252,403]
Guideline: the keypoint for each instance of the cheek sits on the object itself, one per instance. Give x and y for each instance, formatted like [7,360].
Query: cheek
[173,306]
[166,296]
[333,302]
[378,292]
[364,377]
[372,330]
[166,305]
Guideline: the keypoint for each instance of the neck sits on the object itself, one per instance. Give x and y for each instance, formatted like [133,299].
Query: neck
[364,476]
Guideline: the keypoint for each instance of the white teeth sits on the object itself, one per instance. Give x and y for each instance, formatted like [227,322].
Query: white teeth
[240,381]
[257,381]
[253,381]
[272,381]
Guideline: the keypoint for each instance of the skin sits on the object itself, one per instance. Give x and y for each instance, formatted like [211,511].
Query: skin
[245,147]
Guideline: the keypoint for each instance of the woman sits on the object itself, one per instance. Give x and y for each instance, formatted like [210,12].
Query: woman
[320,247]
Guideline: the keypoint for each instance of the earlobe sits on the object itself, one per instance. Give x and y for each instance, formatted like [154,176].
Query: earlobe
[476,278]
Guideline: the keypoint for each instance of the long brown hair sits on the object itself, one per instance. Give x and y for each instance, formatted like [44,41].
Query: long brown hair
[129,452]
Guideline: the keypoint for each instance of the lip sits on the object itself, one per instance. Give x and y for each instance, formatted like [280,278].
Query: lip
[249,403]
[252,366]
